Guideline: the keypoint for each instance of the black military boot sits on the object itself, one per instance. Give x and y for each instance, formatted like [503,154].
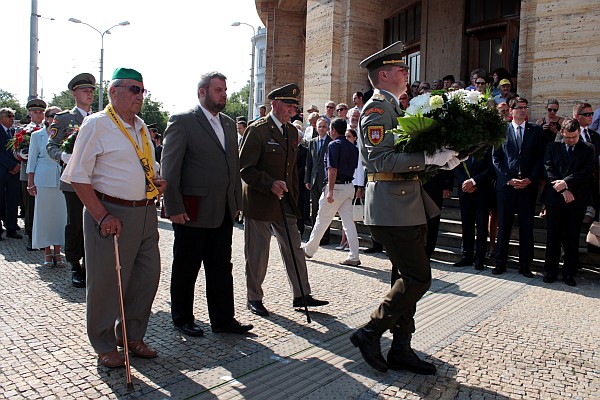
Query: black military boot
[368,340]
[402,357]
[77,275]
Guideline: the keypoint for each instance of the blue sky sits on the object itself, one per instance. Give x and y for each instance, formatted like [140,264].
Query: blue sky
[171,43]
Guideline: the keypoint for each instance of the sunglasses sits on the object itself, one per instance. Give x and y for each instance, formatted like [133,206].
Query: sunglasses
[587,114]
[10,116]
[520,108]
[552,109]
[135,89]
[341,109]
[480,83]
[329,106]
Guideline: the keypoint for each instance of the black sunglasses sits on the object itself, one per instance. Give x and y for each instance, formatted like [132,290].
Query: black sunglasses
[341,109]
[552,109]
[135,89]
[10,116]
[587,114]
[480,83]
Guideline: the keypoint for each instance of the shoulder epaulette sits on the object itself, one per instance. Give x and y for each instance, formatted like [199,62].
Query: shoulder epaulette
[63,112]
[259,122]
[378,97]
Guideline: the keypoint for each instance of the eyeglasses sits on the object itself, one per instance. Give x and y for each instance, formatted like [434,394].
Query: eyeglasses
[135,89]
[341,109]
[552,109]
[587,114]
[329,106]
[480,83]
[520,108]
[9,116]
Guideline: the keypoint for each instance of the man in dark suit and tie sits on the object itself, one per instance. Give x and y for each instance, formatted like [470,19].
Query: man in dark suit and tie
[9,176]
[569,166]
[201,165]
[314,177]
[519,166]
[64,124]
[474,186]
[583,113]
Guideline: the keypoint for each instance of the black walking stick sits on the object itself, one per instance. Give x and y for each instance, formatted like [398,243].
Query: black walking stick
[289,238]
[123,327]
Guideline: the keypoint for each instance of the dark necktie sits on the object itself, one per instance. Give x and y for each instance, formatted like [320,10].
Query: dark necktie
[11,132]
[519,137]
[320,145]
[570,152]
[586,136]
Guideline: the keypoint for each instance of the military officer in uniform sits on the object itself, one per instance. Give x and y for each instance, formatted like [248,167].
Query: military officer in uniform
[65,123]
[396,210]
[35,110]
[269,175]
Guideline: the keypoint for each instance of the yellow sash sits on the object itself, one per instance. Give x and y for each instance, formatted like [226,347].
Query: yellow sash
[145,157]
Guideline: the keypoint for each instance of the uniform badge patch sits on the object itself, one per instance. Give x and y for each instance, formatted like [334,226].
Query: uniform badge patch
[374,110]
[375,134]
[53,132]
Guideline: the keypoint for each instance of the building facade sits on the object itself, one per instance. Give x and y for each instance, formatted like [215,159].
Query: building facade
[549,47]
[260,49]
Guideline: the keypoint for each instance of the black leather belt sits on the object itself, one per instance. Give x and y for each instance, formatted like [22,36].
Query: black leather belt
[126,203]
[341,182]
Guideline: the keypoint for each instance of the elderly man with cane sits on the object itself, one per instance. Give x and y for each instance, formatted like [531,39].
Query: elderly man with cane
[112,171]
[270,176]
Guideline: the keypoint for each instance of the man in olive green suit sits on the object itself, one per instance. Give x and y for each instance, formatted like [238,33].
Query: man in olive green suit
[396,211]
[270,175]
[64,124]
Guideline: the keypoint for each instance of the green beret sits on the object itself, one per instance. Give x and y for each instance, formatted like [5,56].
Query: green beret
[127,73]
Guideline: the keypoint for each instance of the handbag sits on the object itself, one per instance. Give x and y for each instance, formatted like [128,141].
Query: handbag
[593,236]
[358,210]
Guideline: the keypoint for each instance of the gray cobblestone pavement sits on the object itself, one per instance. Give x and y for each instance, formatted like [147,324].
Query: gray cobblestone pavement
[491,337]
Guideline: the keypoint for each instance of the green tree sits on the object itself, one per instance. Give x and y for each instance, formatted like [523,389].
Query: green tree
[237,104]
[64,100]
[9,100]
[152,113]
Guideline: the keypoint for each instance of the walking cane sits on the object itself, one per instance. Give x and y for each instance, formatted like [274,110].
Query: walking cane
[289,238]
[123,327]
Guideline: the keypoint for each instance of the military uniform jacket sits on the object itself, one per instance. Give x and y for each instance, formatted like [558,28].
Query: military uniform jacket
[402,203]
[266,156]
[59,131]
[203,179]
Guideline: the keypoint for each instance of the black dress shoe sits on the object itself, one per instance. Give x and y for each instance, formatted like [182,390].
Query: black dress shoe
[498,270]
[370,347]
[14,235]
[373,249]
[310,301]
[549,278]
[324,242]
[526,272]
[479,266]
[233,327]
[569,281]
[464,262]
[190,329]
[257,307]
[402,357]
[78,279]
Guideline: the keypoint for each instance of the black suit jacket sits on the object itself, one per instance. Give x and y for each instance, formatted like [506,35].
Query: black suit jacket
[511,163]
[7,159]
[315,168]
[480,170]
[576,171]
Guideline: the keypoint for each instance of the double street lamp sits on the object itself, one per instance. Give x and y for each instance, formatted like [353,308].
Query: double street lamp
[251,95]
[101,89]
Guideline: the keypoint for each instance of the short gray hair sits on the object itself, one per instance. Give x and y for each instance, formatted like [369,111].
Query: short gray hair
[112,84]
[5,110]
[205,79]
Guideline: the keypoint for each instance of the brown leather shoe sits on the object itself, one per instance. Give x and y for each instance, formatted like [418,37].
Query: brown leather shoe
[112,359]
[138,348]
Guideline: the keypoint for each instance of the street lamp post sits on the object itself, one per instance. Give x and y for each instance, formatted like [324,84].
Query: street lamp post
[251,95]
[101,89]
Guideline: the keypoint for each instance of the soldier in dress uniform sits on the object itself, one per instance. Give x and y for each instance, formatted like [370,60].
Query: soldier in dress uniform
[66,123]
[396,210]
[35,110]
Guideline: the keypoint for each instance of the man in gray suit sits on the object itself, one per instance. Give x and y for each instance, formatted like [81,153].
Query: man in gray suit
[314,176]
[396,210]
[200,161]
[65,123]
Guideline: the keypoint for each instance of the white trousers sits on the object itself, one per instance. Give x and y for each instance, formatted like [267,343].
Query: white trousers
[343,194]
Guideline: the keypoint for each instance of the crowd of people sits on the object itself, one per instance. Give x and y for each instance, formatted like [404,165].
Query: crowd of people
[279,174]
